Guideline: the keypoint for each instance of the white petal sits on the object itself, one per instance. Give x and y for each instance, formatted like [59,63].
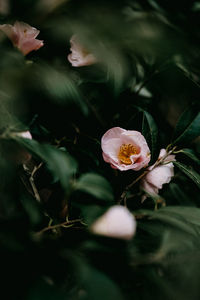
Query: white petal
[24,134]
[149,188]
[117,222]
[160,175]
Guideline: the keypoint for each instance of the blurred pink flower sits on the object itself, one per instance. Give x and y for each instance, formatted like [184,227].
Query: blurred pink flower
[156,177]
[23,36]
[80,56]
[117,222]
[125,149]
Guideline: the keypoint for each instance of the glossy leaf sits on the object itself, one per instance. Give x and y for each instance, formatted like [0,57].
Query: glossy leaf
[192,174]
[191,154]
[188,127]
[150,132]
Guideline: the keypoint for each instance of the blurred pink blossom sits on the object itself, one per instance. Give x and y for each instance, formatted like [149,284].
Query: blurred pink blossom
[125,149]
[80,56]
[23,36]
[157,176]
[117,222]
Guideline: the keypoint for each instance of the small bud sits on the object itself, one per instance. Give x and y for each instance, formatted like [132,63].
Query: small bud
[117,222]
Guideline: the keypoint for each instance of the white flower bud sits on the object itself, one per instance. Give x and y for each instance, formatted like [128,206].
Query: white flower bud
[157,176]
[117,222]
[25,134]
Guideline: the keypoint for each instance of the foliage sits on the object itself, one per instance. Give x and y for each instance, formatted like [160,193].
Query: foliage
[147,79]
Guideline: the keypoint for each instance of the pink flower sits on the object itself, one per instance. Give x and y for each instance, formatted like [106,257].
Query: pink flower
[159,175]
[117,222]
[23,36]
[125,149]
[80,56]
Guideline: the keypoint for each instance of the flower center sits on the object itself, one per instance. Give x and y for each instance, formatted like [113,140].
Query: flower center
[25,32]
[125,151]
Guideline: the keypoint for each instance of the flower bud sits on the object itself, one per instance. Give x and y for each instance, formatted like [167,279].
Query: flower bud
[117,222]
[157,176]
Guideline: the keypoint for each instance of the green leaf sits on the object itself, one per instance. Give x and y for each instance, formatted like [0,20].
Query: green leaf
[96,284]
[191,154]
[196,7]
[59,162]
[190,214]
[179,195]
[150,132]
[32,209]
[189,172]
[188,126]
[183,218]
[116,70]
[96,185]
[91,212]
[60,87]
[42,289]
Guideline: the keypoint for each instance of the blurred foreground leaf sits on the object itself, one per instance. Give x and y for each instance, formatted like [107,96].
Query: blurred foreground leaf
[183,218]
[61,164]
[96,285]
[96,185]
[60,87]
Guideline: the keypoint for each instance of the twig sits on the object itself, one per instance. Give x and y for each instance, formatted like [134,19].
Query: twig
[31,180]
[64,224]
[128,187]
[36,194]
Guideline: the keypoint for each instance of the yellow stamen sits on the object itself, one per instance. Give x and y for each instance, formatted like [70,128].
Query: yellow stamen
[126,150]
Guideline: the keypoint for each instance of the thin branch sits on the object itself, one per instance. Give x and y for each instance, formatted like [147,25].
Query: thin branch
[64,224]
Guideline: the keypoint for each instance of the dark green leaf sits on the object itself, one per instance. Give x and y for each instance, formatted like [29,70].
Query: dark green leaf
[91,212]
[183,218]
[179,195]
[150,132]
[95,284]
[60,87]
[32,209]
[59,162]
[189,172]
[95,185]
[191,154]
[188,126]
